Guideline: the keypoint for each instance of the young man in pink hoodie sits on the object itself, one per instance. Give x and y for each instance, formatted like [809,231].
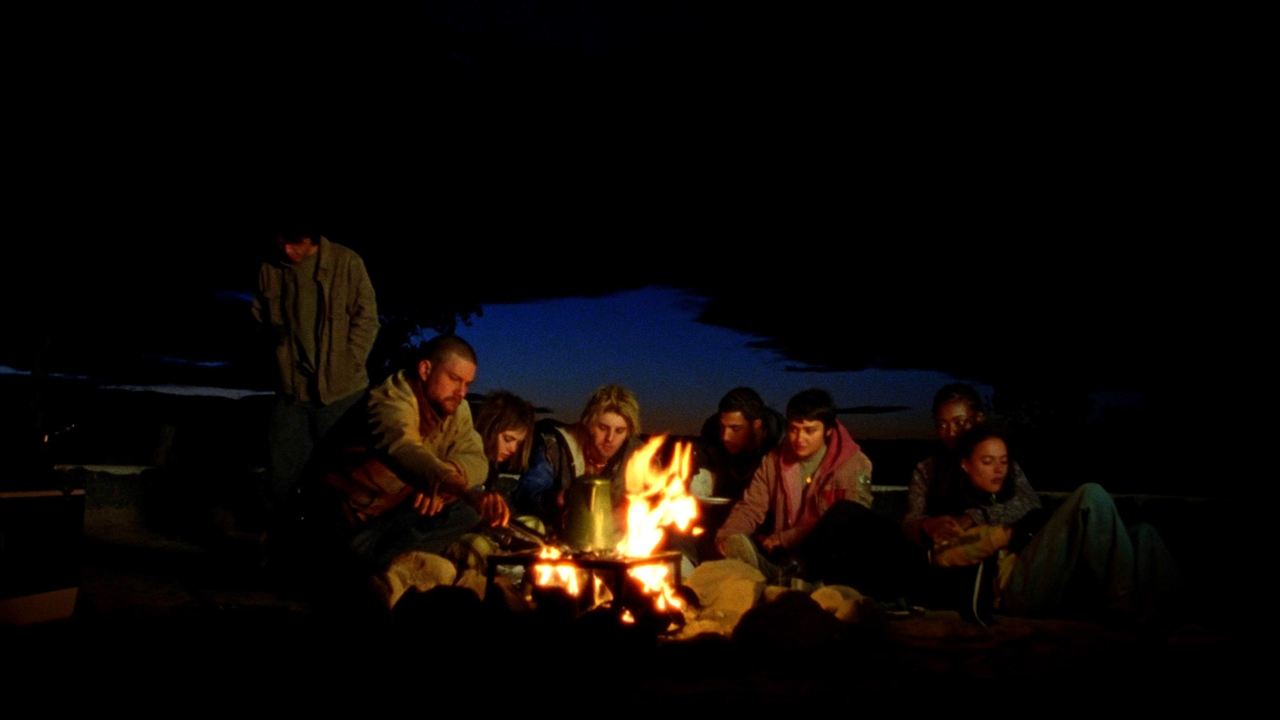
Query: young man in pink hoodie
[817,466]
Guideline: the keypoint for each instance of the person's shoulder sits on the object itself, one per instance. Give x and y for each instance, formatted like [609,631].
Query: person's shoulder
[771,458]
[862,461]
[1017,474]
[394,388]
[338,251]
[855,463]
[548,426]
[927,468]
[269,268]
[550,433]
[463,414]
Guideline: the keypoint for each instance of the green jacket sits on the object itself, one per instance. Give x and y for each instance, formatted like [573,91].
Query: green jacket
[348,324]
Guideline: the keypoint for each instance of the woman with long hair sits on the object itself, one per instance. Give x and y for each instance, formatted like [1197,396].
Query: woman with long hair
[1082,558]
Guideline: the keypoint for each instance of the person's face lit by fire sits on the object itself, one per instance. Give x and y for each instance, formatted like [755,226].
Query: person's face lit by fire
[508,443]
[806,437]
[446,384]
[608,431]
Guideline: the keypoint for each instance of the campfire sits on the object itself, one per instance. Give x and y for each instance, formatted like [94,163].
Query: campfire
[632,578]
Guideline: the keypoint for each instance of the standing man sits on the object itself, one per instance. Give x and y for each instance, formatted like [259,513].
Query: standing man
[317,303]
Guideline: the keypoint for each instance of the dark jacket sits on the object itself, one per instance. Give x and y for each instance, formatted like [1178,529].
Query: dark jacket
[733,472]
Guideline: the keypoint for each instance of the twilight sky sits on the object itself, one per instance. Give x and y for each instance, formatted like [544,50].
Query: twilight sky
[555,352]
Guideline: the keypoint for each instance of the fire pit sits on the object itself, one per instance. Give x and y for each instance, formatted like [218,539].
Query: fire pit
[635,578]
[594,580]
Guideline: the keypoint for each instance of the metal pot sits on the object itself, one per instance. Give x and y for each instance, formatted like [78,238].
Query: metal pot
[588,521]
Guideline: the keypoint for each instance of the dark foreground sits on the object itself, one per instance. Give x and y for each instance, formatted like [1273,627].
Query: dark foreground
[160,618]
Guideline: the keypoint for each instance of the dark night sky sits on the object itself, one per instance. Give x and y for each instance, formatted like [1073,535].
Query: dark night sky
[880,156]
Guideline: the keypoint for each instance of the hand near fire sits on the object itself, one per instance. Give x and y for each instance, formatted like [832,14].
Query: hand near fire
[442,491]
[429,504]
[493,510]
[770,543]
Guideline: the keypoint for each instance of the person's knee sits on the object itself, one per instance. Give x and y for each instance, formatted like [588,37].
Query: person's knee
[472,551]
[1093,495]
[740,547]
[1143,532]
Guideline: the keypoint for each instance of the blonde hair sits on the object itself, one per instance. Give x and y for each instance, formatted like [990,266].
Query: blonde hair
[614,399]
[502,411]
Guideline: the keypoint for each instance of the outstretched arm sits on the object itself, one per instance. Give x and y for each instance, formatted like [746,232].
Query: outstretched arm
[750,511]
[459,465]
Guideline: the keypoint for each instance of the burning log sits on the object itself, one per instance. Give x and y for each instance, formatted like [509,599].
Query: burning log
[634,579]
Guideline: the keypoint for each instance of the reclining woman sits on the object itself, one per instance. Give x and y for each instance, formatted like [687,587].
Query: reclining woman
[1082,558]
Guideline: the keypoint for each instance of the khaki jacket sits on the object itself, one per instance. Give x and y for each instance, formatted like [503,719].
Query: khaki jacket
[348,325]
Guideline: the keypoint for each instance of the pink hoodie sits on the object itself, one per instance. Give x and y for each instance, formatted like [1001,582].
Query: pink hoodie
[845,474]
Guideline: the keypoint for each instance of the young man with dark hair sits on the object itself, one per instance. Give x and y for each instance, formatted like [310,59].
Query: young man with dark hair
[736,438]
[818,466]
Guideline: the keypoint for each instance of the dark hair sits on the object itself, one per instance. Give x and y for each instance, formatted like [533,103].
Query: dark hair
[743,400]
[958,391]
[501,411]
[294,237]
[967,443]
[440,347]
[812,404]
[975,436]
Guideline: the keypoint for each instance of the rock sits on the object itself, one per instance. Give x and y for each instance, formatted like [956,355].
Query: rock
[472,580]
[729,586]
[414,569]
[839,600]
[793,623]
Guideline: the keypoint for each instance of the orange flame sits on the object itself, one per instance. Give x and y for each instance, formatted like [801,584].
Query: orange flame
[655,580]
[657,498]
[556,574]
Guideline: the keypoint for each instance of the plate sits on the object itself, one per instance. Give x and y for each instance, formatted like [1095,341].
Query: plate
[714,500]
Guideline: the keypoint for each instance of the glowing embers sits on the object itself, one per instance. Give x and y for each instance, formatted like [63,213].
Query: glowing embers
[634,579]
[551,571]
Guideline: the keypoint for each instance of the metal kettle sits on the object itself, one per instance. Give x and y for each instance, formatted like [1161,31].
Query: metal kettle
[588,521]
